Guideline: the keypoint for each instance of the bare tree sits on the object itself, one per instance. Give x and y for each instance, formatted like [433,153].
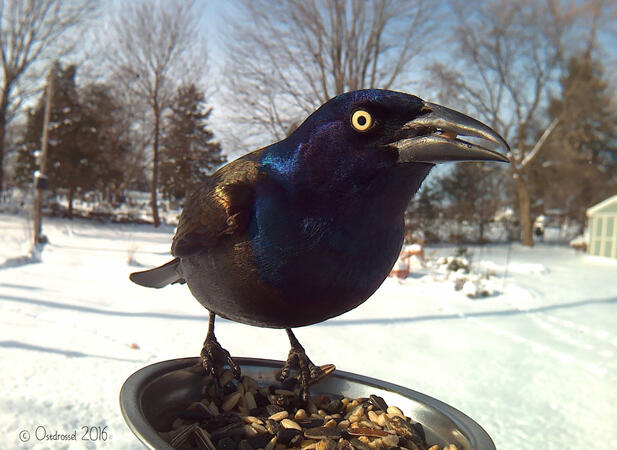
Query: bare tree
[507,58]
[31,30]
[155,46]
[288,57]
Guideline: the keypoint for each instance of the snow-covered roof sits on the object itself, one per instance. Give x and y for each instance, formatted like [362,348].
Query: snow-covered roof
[603,204]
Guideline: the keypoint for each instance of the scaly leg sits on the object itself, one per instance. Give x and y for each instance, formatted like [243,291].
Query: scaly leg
[213,356]
[297,359]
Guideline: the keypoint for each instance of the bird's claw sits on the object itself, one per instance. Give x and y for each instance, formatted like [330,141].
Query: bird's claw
[214,357]
[308,373]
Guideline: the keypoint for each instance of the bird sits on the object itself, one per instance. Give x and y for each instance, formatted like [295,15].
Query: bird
[309,227]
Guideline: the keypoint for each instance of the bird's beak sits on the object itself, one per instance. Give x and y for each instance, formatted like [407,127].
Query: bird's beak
[433,137]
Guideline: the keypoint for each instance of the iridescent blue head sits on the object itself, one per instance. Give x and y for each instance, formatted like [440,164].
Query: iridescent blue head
[357,135]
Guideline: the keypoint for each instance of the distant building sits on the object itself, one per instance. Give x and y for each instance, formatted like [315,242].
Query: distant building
[603,228]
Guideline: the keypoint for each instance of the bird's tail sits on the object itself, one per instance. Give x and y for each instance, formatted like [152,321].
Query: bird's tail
[159,276]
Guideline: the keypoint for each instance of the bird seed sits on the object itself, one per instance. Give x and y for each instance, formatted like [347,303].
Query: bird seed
[244,416]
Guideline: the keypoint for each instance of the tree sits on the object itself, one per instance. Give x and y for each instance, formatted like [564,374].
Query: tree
[88,143]
[154,46]
[580,161]
[30,30]
[425,212]
[111,142]
[189,155]
[508,57]
[472,194]
[71,135]
[287,58]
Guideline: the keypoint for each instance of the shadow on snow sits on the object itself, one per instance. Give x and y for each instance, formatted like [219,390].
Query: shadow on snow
[69,353]
[377,320]
[90,309]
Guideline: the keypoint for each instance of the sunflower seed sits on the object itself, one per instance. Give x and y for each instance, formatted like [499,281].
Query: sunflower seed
[311,423]
[234,429]
[202,439]
[358,444]
[182,436]
[245,416]
[379,403]
[330,423]
[277,417]
[259,441]
[271,444]
[273,409]
[250,384]
[419,429]
[323,432]
[343,424]
[253,419]
[213,409]
[285,435]
[272,426]
[259,428]
[362,431]
[230,401]
[287,423]
[249,400]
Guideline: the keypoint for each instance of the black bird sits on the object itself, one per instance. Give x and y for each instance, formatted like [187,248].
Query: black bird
[309,227]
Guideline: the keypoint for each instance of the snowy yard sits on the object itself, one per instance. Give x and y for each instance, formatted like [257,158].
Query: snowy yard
[535,364]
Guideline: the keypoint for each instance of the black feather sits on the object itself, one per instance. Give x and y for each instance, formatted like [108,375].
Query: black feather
[159,276]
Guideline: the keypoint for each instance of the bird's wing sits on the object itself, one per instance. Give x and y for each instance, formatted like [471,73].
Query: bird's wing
[221,207]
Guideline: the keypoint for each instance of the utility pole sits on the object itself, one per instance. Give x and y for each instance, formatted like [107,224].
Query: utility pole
[40,177]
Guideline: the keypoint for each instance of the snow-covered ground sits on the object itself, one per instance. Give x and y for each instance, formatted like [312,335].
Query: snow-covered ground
[534,363]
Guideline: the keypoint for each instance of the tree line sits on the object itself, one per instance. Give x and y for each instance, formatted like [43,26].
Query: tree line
[93,148]
[576,168]
[535,71]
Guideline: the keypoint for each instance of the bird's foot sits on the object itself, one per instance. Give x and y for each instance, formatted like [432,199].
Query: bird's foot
[214,357]
[308,373]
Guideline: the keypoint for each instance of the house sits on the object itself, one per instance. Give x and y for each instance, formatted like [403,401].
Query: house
[603,228]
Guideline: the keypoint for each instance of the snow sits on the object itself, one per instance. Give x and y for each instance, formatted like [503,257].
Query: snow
[534,362]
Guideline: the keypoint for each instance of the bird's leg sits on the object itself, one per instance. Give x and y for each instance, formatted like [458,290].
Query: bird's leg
[214,356]
[297,359]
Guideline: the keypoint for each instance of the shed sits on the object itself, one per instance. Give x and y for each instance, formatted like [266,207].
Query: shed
[603,228]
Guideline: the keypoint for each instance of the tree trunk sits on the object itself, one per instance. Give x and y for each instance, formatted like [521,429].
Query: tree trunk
[4,105]
[2,132]
[70,196]
[524,203]
[155,166]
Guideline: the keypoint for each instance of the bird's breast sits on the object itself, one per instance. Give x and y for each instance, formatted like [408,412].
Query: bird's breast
[323,260]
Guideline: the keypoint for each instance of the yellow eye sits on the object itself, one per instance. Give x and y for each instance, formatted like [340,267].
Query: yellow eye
[361,120]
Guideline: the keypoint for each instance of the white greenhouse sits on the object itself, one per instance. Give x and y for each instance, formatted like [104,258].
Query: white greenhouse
[603,228]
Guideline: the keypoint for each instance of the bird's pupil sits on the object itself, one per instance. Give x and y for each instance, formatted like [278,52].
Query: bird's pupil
[361,120]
